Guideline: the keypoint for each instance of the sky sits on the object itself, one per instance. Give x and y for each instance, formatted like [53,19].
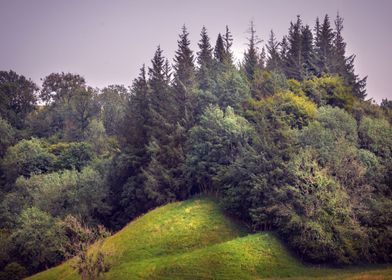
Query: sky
[108,41]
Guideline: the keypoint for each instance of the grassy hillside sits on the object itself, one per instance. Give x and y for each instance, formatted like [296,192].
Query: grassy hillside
[194,240]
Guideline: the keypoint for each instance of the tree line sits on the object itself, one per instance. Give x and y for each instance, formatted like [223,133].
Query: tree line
[285,140]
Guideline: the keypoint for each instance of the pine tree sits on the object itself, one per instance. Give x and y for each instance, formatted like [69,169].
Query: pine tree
[219,51]
[343,65]
[184,81]
[251,56]
[137,119]
[307,52]
[293,61]
[284,47]
[228,42]
[204,60]
[262,59]
[324,45]
[168,109]
[273,59]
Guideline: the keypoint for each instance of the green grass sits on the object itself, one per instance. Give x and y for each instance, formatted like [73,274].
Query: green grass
[195,240]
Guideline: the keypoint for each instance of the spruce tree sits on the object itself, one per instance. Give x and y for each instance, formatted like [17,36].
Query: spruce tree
[184,81]
[251,56]
[219,51]
[228,42]
[343,65]
[262,59]
[273,59]
[204,60]
[164,171]
[293,61]
[307,52]
[324,45]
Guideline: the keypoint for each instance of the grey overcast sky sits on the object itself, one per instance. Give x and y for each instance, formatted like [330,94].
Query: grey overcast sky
[108,41]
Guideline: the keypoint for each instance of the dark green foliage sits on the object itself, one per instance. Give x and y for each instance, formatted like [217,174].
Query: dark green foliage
[205,61]
[38,239]
[213,145]
[74,155]
[17,98]
[184,83]
[7,136]
[219,51]
[69,192]
[251,56]
[274,62]
[113,100]
[27,157]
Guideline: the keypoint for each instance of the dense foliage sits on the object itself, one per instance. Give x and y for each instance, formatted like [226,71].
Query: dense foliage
[285,140]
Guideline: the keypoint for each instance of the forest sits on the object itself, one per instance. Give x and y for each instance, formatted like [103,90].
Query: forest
[285,140]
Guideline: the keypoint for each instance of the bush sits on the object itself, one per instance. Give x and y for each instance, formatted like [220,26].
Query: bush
[26,158]
[73,155]
[68,192]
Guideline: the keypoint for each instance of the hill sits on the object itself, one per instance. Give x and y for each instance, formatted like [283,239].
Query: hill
[195,240]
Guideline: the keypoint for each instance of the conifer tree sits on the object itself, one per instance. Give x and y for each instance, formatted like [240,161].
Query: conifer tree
[307,52]
[262,58]
[293,60]
[137,119]
[324,45]
[273,59]
[184,80]
[251,56]
[219,51]
[204,60]
[343,65]
[228,42]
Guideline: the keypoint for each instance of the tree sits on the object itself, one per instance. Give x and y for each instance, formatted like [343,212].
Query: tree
[251,56]
[294,60]
[71,103]
[184,81]
[205,61]
[27,157]
[71,155]
[214,144]
[219,51]
[343,65]
[7,136]
[17,98]
[67,193]
[90,264]
[307,52]
[83,107]
[164,169]
[324,45]
[38,239]
[228,42]
[273,60]
[113,100]
[60,87]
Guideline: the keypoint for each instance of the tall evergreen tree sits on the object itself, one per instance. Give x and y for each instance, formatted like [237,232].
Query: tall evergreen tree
[219,50]
[307,52]
[251,56]
[343,65]
[184,80]
[204,60]
[262,58]
[228,42]
[137,119]
[273,59]
[324,45]
[293,61]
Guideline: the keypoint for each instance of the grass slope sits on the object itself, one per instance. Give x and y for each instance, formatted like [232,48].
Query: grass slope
[194,240]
